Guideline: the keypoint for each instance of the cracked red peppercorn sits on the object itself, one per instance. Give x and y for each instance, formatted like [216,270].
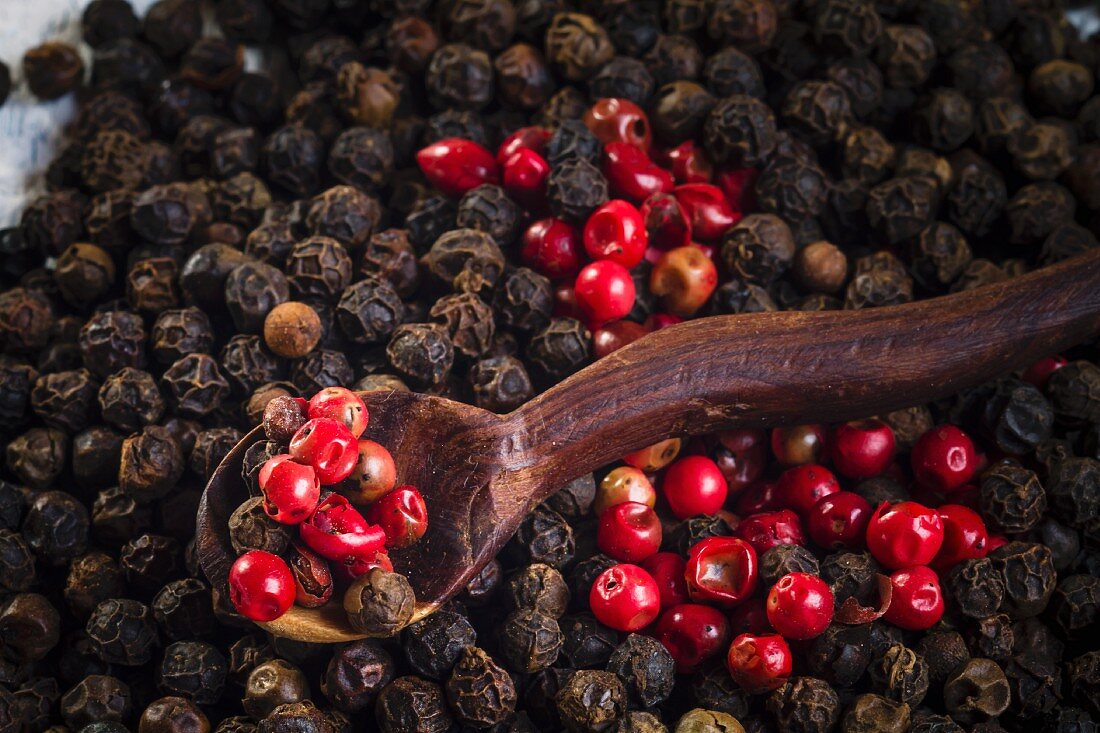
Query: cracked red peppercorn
[708,209]
[291,490]
[632,174]
[328,446]
[402,515]
[721,570]
[759,663]
[337,531]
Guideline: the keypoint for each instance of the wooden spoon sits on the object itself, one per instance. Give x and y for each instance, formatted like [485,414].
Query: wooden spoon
[480,473]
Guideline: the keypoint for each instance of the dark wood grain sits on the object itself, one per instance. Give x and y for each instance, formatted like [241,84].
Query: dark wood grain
[480,473]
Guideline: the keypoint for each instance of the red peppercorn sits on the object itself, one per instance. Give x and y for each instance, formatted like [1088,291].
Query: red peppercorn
[631,174]
[863,448]
[261,586]
[350,569]
[995,541]
[291,490]
[604,292]
[759,664]
[721,570]
[401,514]
[629,532]
[524,177]
[615,335]
[532,138]
[751,617]
[739,186]
[694,485]
[916,602]
[552,248]
[1039,372]
[313,584]
[565,302]
[688,163]
[667,570]
[801,487]
[741,456]
[374,474]
[613,119]
[338,532]
[770,529]
[616,232]
[798,445]
[692,633]
[657,321]
[683,278]
[708,210]
[944,459]
[328,446]
[839,521]
[622,484]
[455,165]
[343,406]
[758,498]
[625,598]
[904,534]
[964,536]
[656,456]
[666,223]
[800,606]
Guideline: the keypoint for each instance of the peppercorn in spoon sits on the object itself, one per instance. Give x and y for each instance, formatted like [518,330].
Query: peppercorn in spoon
[481,473]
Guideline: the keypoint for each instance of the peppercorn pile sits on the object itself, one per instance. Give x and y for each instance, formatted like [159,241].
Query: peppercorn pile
[446,196]
[312,447]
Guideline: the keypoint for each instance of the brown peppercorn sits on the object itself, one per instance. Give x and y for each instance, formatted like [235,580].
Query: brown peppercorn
[879,279]
[65,400]
[151,464]
[38,456]
[1044,150]
[25,320]
[292,329]
[151,285]
[560,349]
[1027,570]
[577,45]
[129,399]
[282,417]
[459,77]
[900,674]
[29,627]
[870,712]
[818,111]
[195,385]
[173,715]
[699,720]
[591,701]
[379,603]
[906,54]
[523,77]
[273,683]
[170,213]
[500,383]
[867,155]
[96,698]
[84,274]
[749,25]
[250,528]
[530,640]
[468,321]
[411,42]
[367,96]
[1060,87]
[52,69]
[412,705]
[976,692]
[421,352]
[252,290]
[759,248]
[479,691]
[389,256]
[821,267]
[356,674]
[318,267]
[740,130]
[1012,499]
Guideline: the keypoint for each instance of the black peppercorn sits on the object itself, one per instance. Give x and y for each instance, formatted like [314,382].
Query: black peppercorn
[149,561]
[292,157]
[759,248]
[841,654]
[750,25]
[1012,499]
[545,537]
[184,609]
[273,683]
[530,640]
[211,446]
[1029,577]
[879,279]
[152,463]
[97,698]
[541,588]
[432,646]
[379,602]
[978,691]
[38,456]
[646,667]
[193,669]
[572,139]
[421,352]
[900,674]
[355,675]
[56,527]
[412,705]
[561,348]
[129,399]
[976,587]
[92,579]
[591,700]
[16,562]
[123,632]
[52,69]
[805,705]
[1075,394]
[575,188]
[740,130]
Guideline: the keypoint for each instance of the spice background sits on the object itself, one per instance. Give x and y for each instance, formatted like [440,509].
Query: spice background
[185,238]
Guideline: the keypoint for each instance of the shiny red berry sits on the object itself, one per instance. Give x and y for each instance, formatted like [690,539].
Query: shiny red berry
[341,405]
[613,336]
[694,485]
[839,521]
[261,586]
[799,444]
[751,617]
[770,529]
[328,446]
[337,531]
[613,119]
[741,456]
[667,570]
[692,633]
[348,570]
[800,487]
[524,177]
[721,570]
[862,448]
[1039,372]
[374,474]
[657,321]
[683,278]
[666,222]
[688,163]
[916,601]
[964,536]
[631,174]
[759,663]
[625,598]
[739,187]
[616,232]
[552,247]
[291,490]
[800,606]
[455,165]
[708,210]
[532,138]
[903,534]
[629,532]
[944,459]
[758,498]
[402,515]
[604,292]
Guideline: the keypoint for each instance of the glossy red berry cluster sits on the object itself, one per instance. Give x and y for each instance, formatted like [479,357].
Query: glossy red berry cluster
[340,541]
[796,485]
[669,208]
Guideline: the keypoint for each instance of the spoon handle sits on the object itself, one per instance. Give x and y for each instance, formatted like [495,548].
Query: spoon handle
[766,369]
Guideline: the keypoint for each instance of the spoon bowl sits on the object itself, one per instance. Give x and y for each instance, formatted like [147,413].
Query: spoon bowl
[481,473]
